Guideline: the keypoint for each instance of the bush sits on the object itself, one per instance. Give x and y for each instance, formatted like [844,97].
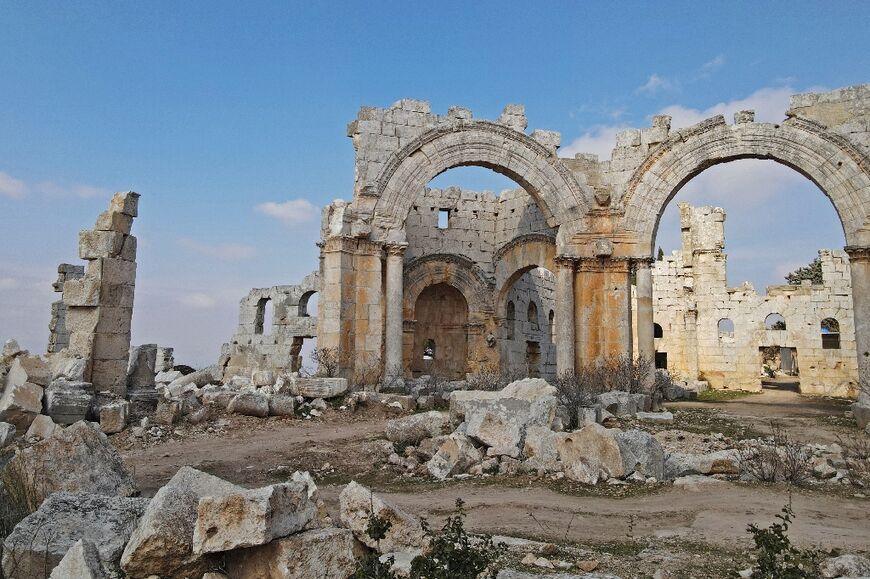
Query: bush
[856,453]
[776,458]
[776,557]
[455,554]
[327,361]
[490,377]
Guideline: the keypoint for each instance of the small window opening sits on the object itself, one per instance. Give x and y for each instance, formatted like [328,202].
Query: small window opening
[429,349]
[533,316]
[830,334]
[552,322]
[511,317]
[774,322]
[443,218]
[657,331]
[726,328]
[263,317]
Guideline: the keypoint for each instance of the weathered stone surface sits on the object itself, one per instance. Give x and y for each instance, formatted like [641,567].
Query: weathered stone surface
[641,453]
[82,561]
[655,416]
[41,540]
[200,378]
[357,503]
[78,458]
[217,396]
[696,483]
[528,389]
[590,454]
[861,412]
[318,387]
[282,405]
[28,369]
[20,404]
[167,413]
[846,566]
[539,448]
[414,428]
[251,517]
[719,462]
[42,427]
[162,543]
[113,416]
[167,376]
[250,404]
[68,402]
[67,366]
[455,455]
[7,433]
[318,554]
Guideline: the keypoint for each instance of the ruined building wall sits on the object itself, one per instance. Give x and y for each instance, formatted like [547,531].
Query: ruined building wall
[99,305]
[260,344]
[530,346]
[58,335]
[691,297]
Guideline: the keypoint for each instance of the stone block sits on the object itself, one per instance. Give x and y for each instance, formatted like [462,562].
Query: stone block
[250,404]
[97,244]
[42,427]
[590,454]
[113,416]
[82,292]
[282,405]
[357,504]
[81,561]
[114,221]
[167,413]
[318,554]
[20,404]
[125,202]
[414,428]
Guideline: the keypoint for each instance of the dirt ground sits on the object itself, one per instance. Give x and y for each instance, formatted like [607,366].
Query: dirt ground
[630,530]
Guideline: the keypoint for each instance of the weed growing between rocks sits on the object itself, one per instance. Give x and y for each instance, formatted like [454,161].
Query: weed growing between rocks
[776,557]
[371,567]
[856,453]
[775,458]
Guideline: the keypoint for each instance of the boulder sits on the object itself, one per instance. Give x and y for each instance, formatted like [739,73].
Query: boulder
[82,561]
[846,566]
[641,453]
[317,387]
[619,403]
[28,369]
[528,389]
[113,416]
[318,554]
[20,404]
[250,404]
[167,376]
[720,462]
[358,503]
[217,396]
[66,366]
[282,405]
[42,427]
[455,455]
[167,413]
[590,454]
[7,433]
[414,428]
[162,543]
[662,417]
[76,459]
[39,542]
[539,448]
[248,518]
[68,402]
[199,378]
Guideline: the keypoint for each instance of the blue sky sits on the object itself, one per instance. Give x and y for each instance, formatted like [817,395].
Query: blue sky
[230,118]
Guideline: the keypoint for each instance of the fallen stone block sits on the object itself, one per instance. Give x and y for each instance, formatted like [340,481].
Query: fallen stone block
[846,566]
[539,448]
[40,541]
[357,504]
[590,454]
[282,405]
[260,378]
[113,416]
[167,376]
[66,366]
[167,413]
[20,404]
[217,396]
[162,543]
[455,455]
[398,402]
[82,561]
[199,378]
[28,369]
[7,433]
[720,462]
[619,403]
[414,428]
[696,483]
[318,387]
[250,404]
[528,389]
[318,554]
[252,517]
[69,402]
[42,427]
[662,417]
[78,458]
[641,453]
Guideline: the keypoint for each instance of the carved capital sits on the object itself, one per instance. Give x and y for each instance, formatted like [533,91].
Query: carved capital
[395,249]
[566,262]
[857,253]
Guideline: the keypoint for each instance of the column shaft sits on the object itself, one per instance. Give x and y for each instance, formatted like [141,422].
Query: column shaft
[393,338]
[565,316]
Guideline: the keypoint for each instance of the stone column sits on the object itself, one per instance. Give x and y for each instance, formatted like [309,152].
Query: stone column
[564,314]
[692,342]
[394,334]
[859,264]
[645,338]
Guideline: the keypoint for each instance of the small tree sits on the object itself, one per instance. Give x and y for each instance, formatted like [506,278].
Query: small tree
[661,254]
[777,558]
[326,360]
[811,272]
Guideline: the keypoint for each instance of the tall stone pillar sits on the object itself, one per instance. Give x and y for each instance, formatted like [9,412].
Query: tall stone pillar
[602,305]
[565,271]
[691,319]
[645,335]
[859,264]
[394,333]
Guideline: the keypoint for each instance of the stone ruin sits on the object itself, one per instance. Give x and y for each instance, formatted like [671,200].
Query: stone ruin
[703,328]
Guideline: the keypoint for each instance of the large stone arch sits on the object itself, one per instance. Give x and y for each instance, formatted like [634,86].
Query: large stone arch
[454,270]
[479,143]
[517,257]
[840,170]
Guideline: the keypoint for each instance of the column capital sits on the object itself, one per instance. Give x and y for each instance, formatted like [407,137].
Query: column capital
[397,249]
[566,261]
[857,253]
[643,262]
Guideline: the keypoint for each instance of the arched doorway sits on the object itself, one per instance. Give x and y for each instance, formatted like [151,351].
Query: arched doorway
[441,333]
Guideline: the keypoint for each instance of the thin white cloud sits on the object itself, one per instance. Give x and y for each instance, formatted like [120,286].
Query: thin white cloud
[711,66]
[291,212]
[222,251]
[12,187]
[598,141]
[198,300]
[81,191]
[7,283]
[654,84]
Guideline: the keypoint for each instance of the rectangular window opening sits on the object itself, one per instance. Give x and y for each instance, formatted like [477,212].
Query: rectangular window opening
[443,218]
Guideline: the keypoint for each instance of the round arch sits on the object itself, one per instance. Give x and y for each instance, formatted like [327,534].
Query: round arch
[516,155]
[453,270]
[517,257]
[826,159]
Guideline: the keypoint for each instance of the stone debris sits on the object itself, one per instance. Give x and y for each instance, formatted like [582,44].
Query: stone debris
[113,416]
[416,427]
[457,454]
[162,543]
[846,566]
[590,455]
[41,428]
[357,504]
[40,541]
[21,401]
[7,433]
[82,561]
[78,459]
[68,402]
[250,404]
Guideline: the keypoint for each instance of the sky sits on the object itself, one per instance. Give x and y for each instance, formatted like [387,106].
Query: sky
[230,120]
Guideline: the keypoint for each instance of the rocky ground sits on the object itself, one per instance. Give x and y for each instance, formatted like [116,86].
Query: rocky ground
[694,529]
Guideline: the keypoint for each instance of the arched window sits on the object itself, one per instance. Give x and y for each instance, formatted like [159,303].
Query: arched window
[726,328]
[532,316]
[429,349]
[307,304]
[774,322]
[657,331]
[830,334]
[511,319]
[551,318]
[263,317]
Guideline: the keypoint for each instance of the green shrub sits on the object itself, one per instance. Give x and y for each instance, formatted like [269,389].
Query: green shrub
[776,557]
